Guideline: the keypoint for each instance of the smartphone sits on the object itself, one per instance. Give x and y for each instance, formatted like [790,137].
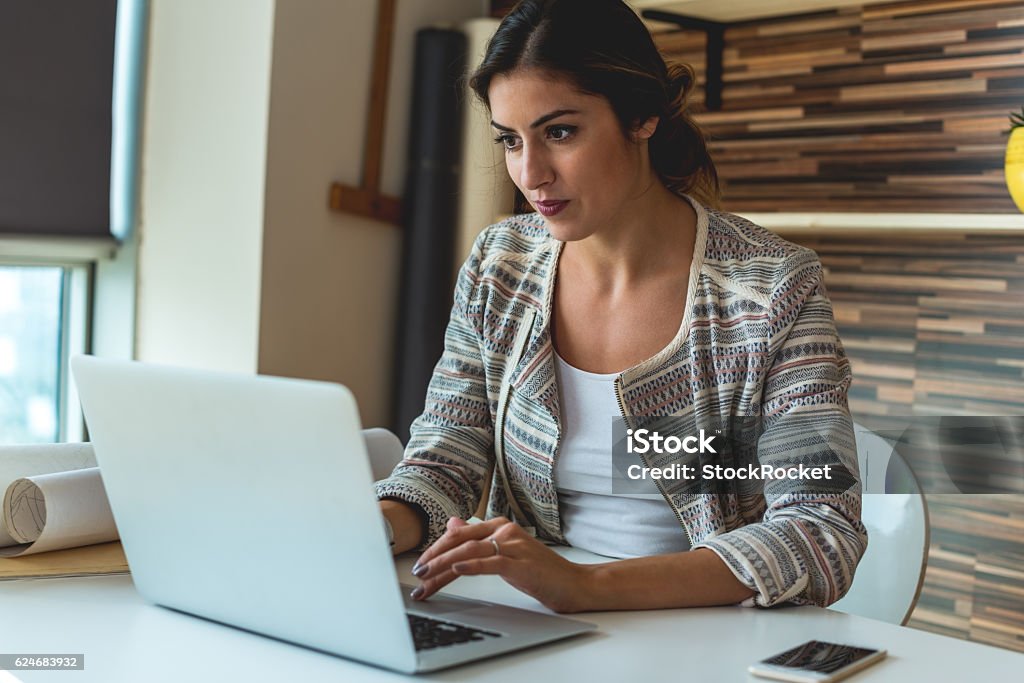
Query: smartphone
[817,662]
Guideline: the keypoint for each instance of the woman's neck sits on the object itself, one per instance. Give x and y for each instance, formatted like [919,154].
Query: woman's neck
[649,238]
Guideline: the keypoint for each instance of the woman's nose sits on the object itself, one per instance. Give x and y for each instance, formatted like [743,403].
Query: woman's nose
[535,170]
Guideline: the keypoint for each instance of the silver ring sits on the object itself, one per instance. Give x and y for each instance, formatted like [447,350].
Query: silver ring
[497,548]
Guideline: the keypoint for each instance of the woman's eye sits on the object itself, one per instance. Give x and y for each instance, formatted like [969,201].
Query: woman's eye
[560,133]
[506,141]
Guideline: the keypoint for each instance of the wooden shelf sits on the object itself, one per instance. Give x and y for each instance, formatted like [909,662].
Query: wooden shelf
[839,223]
[745,10]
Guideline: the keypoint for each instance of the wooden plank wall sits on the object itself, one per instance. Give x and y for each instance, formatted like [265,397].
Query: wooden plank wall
[899,108]
[886,108]
[933,326]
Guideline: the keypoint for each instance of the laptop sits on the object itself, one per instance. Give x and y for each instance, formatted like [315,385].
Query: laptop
[249,501]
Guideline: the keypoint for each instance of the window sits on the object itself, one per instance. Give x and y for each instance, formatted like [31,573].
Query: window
[43,321]
[71,77]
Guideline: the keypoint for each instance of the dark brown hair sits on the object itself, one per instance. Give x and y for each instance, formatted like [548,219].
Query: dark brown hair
[603,48]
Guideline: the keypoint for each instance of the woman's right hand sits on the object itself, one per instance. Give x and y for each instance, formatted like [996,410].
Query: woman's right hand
[503,548]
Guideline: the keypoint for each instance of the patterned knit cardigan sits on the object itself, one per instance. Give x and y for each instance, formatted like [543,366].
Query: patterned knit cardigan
[757,339]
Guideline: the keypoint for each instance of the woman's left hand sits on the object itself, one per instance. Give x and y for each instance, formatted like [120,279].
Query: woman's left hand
[498,546]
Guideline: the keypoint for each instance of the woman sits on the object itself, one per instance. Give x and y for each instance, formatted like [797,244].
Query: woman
[624,295]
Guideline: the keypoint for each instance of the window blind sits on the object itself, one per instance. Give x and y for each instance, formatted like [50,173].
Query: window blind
[56,89]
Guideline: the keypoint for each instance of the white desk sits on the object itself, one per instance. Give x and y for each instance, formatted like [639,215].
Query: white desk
[125,639]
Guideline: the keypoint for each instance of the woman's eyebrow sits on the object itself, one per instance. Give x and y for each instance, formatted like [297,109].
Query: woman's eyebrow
[539,122]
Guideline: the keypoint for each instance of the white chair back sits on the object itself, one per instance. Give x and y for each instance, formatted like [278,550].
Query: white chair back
[889,577]
[385,450]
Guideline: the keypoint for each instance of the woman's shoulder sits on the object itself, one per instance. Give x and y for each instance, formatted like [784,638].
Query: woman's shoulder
[511,260]
[521,237]
[753,256]
[734,238]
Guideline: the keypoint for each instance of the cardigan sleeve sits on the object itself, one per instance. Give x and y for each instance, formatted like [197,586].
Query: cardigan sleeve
[450,450]
[807,546]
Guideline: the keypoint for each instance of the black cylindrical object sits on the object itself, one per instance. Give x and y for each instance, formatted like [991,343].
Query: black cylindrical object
[429,219]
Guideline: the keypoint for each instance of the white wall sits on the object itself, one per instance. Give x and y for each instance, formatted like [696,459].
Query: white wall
[203,167]
[330,280]
[252,109]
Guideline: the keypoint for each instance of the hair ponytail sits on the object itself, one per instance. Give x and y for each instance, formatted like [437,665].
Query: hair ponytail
[678,149]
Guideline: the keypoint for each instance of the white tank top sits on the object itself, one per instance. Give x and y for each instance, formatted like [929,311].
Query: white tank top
[592,517]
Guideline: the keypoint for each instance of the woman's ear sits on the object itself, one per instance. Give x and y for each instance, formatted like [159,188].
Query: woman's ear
[646,129]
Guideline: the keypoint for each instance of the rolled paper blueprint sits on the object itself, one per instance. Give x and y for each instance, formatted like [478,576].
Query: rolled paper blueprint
[54,511]
[17,462]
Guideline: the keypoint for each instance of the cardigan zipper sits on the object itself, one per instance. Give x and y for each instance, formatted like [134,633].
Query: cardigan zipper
[657,482]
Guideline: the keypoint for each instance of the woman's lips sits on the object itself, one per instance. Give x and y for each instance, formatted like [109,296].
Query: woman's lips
[550,208]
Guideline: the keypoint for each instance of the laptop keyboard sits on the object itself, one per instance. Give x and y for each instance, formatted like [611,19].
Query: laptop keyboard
[430,633]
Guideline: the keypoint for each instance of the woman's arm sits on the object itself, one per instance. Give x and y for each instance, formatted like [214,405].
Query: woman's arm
[808,544]
[498,546]
[449,456]
[697,578]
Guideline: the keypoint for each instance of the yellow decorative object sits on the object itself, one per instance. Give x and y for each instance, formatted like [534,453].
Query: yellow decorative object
[1015,161]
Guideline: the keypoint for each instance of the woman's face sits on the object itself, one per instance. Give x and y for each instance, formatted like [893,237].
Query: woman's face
[566,153]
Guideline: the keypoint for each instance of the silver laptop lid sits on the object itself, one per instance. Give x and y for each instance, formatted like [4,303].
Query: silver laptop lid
[190,458]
